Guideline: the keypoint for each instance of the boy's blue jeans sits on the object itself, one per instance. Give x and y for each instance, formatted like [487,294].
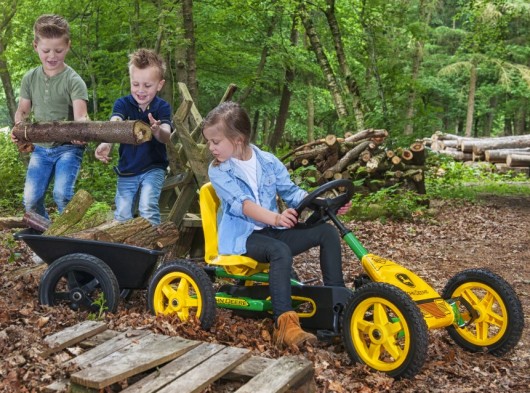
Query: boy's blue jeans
[61,163]
[144,188]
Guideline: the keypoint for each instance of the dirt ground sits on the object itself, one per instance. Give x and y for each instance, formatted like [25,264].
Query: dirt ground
[494,234]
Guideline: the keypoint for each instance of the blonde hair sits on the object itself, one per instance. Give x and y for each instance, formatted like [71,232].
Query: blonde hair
[145,58]
[51,26]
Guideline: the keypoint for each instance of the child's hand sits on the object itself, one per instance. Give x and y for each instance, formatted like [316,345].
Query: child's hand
[344,209]
[155,124]
[76,142]
[287,219]
[102,152]
[13,137]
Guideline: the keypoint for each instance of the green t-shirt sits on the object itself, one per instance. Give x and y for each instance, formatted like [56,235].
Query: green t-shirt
[51,97]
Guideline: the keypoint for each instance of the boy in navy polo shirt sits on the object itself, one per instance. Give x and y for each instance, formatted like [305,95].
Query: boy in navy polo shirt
[141,168]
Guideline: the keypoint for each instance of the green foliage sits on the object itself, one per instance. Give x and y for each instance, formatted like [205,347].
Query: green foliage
[97,178]
[393,202]
[101,303]
[11,176]
[449,179]
[8,242]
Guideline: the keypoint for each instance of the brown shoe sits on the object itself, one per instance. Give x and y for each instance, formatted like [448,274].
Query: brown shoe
[287,331]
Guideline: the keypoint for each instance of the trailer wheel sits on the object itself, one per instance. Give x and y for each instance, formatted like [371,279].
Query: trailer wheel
[79,281]
[384,329]
[183,289]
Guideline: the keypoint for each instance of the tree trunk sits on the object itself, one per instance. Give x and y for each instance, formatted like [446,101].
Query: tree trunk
[189,36]
[310,113]
[353,87]
[5,76]
[131,132]
[323,62]
[285,101]
[471,99]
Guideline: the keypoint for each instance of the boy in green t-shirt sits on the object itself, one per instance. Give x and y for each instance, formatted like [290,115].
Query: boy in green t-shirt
[52,91]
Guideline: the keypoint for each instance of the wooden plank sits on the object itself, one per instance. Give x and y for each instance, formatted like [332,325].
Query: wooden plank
[148,352]
[287,372]
[112,345]
[72,335]
[192,220]
[249,368]
[187,97]
[197,156]
[98,339]
[173,181]
[175,369]
[202,375]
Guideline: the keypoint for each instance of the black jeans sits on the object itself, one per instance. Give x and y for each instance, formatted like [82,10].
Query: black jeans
[278,246]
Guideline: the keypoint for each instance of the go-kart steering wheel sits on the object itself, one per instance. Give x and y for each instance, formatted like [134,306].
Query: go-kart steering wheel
[323,206]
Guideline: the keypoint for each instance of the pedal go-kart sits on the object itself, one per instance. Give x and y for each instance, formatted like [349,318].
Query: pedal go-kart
[383,321]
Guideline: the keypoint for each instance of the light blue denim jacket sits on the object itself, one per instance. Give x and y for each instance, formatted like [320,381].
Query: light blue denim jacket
[232,188]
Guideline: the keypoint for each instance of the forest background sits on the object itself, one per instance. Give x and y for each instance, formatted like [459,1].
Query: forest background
[303,69]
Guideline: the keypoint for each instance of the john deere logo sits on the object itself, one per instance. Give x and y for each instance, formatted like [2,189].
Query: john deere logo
[403,278]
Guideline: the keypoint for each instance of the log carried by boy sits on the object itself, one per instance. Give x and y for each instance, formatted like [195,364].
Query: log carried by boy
[130,132]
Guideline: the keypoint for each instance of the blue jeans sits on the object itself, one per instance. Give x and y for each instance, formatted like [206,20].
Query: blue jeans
[145,189]
[61,163]
[278,246]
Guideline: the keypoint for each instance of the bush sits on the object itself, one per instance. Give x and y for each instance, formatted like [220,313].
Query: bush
[11,176]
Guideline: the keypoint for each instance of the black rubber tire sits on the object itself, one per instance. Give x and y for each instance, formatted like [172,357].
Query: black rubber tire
[362,333]
[192,282]
[77,280]
[502,301]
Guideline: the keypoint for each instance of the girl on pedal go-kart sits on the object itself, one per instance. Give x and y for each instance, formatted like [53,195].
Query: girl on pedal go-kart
[247,181]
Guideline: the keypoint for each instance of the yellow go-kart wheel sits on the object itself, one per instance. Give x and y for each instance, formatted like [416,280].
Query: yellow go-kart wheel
[384,329]
[490,308]
[183,289]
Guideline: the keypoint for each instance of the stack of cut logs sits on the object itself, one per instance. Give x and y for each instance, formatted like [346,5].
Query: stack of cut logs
[360,156]
[81,221]
[510,153]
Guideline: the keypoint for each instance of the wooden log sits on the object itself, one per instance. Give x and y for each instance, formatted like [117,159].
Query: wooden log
[12,222]
[418,153]
[499,155]
[131,131]
[36,221]
[376,163]
[407,155]
[480,145]
[128,228]
[150,237]
[503,168]
[458,155]
[349,157]
[72,213]
[395,160]
[515,160]
[366,134]
[437,145]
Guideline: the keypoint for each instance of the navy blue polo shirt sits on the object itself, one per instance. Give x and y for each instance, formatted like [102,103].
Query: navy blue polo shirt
[136,159]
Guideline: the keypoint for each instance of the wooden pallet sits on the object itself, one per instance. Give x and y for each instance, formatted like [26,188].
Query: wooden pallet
[150,362]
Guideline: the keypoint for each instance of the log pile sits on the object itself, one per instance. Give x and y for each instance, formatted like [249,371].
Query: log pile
[510,153]
[84,218]
[362,156]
